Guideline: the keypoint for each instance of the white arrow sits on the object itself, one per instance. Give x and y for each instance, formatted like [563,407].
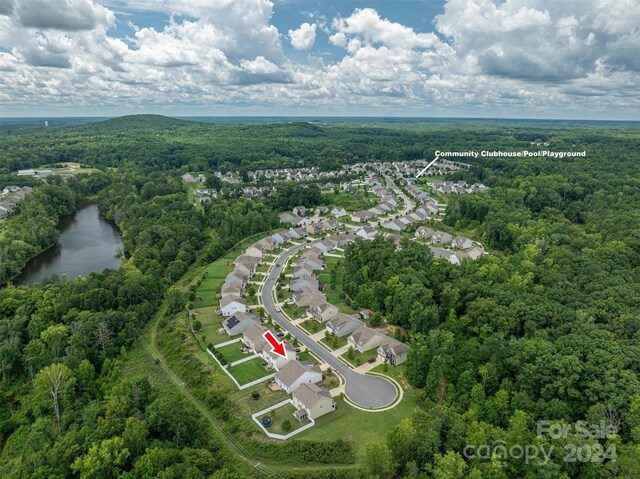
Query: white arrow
[427,167]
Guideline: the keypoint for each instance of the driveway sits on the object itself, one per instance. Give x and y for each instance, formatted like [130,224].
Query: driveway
[363,390]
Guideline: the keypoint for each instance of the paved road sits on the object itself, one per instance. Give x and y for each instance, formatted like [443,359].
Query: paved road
[366,391]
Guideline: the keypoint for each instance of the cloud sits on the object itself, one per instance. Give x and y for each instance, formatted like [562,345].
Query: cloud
[303,37]
[62,14]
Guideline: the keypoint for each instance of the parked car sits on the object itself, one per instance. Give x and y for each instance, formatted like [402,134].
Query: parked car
[297,350]
[372,360]
[278,310]
[280,334]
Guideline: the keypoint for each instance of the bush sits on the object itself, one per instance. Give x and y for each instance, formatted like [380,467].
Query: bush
[286,425]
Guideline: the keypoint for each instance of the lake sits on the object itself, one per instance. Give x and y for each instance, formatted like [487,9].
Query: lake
[87,244]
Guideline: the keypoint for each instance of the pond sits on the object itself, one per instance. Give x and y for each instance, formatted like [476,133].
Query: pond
[88,243]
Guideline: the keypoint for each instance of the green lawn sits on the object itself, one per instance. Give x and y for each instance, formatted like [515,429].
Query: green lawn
[311,326]
[363,427]
[334,294]
[215,273]
[360,359]
[293,311]
[245,405]
[282,414]
[249,371]
[306,356]
[232,352]
[360,201]
[340,342]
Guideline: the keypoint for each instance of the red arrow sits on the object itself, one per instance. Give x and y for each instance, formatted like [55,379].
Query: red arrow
[277,346]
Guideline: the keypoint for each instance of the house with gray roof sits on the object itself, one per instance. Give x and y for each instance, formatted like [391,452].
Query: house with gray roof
[311,402]
[293,374]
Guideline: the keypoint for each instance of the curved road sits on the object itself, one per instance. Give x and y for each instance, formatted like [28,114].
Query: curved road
[366,391]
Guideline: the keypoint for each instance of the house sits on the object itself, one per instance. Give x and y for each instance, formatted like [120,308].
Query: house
[287,218]
[447,254]
[331,225]
[231,304]
[302,271]
[276,361]
[293,374]
[267,243]
[440,237]
[312,262]
[253,338]
[308,298]
[300,211]
[297,233]
[424,232]
[395,225]
[393,352]
[323,312]
[251,261]
[238,323]
[311,402]
[255,250]
[343,325]
[189,178]
[325,246]
[367,232]
[361,216]
[472,253]
[304,283]
[236,277]
[280,237]
[228,289]
[244,269]
[461,242]
[363,339]
[321,210]
[338,212]
[314,229]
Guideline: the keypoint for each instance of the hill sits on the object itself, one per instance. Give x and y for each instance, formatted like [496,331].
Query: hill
[138,122]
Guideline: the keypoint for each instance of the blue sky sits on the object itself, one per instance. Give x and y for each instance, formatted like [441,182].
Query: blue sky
[464,58]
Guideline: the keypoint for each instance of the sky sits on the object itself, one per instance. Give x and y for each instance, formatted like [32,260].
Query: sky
[573,59]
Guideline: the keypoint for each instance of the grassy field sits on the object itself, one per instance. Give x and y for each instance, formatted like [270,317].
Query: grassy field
[249,371]
[282,414]
[363,427]
[311,326]
[293,311]
[340,342]
[360,358]
[360,201]
[232,352]
[215,273]
[334,294]
[246,406]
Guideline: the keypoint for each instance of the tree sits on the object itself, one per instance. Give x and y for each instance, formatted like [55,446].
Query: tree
[379,462]
[286,425]
[54,385]
[197,325]
[449,466]
[104,460]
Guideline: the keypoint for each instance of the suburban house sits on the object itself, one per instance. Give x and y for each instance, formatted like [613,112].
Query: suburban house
[267,243]
[314,229]
[274,360]
[361,216]
[338,212]
[231,304]
[238,323]
[440,237]
[473,253]
[393,352]
[228,289]
[302,271]
[312,402]
[323,312]
[280,237]
[302,283]
[236,277]
[244,269]
[255,250]
[312,262]
[320,210]
[189,178]
[395,225]
[287,218]
[424,232]
[461,242]
[253,338]
[363,339]
[343,325]
[248,260]
[447,254]
[307,297]
[367,232]
[300,211]
[297,233]
[293,374]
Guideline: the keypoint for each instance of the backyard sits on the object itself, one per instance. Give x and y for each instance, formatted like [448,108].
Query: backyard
[232,352]
[334,295]
[248,371]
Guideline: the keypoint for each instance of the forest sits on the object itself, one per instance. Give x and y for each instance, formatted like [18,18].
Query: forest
[544,328]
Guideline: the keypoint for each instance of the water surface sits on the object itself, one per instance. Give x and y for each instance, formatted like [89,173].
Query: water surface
[87,244]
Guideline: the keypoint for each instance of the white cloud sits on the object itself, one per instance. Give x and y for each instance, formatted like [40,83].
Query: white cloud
[513,56]
[303,37]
